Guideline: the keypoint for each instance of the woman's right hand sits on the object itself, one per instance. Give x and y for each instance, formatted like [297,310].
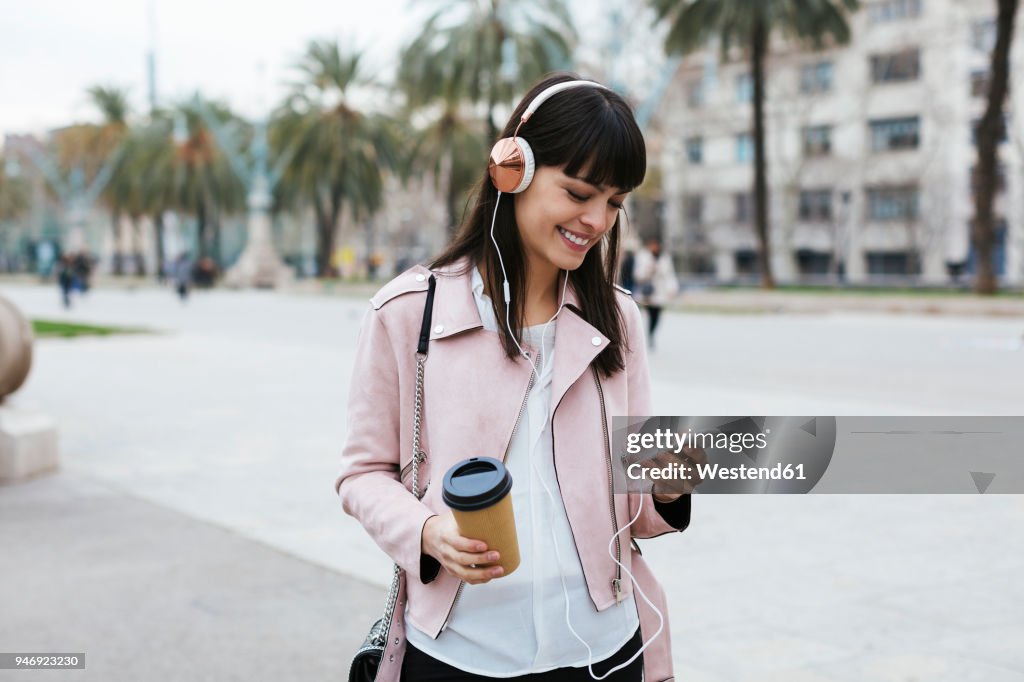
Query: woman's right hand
[459,555]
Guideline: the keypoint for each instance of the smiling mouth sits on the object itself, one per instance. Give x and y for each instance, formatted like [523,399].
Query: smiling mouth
[579,241]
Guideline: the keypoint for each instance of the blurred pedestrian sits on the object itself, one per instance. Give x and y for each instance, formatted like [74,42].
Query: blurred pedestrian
[656,277]
[205,272]
[182,271]
[82,265]
[65,278]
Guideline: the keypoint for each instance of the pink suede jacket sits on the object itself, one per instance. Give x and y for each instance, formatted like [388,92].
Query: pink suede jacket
[473,395]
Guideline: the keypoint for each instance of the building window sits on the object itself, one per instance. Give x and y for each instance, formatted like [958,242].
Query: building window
[816,204]
[744,148]
[892,203]
[896,67]
[747,262]
[983,35]
[979,83]
[893,10]
[817,140]
[889,134]
[888,262]
[693,209]
[815,78]
[813,262]
[974,131]
[744,207]
[1000,178]
[695,150]
[695,94]
[744,88]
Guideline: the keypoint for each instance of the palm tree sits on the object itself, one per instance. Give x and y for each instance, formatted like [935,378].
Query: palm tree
[751,23]
[340,151]
[990,129]
[88,146]
[486,51]
[112,103]
[155,180]
[204,183]
[450,147]
[143,184]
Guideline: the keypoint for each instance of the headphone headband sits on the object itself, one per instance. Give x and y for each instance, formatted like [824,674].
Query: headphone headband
[549,92]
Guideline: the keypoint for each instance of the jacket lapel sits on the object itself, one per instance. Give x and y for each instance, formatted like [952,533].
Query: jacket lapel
[577,343]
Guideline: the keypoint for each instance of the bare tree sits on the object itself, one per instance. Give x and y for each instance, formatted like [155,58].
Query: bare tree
[990,130]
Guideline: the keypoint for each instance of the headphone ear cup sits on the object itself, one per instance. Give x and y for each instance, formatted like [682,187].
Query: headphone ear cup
[529,165]
[511,165]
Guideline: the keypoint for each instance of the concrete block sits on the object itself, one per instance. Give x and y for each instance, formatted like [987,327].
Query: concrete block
[28,443]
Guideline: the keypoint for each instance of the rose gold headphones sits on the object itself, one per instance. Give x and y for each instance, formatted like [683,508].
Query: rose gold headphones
[511,164]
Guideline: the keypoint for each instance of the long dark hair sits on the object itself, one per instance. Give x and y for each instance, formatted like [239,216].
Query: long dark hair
[584,128]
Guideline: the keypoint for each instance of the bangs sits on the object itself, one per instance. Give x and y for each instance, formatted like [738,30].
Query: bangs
[604,148]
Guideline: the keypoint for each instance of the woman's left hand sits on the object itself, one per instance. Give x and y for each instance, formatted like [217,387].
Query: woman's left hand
[670,490]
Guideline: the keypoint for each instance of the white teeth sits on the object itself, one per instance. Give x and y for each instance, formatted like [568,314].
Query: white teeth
[573,238]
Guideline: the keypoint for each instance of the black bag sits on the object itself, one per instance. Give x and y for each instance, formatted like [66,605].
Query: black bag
[366,662]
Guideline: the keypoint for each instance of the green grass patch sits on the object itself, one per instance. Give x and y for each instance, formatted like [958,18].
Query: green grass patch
[50,328]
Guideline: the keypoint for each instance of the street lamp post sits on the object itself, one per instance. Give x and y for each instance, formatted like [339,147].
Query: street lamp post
[75,194]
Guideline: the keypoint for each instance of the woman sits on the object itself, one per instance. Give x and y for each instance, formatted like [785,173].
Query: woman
[656,277]
[500,382]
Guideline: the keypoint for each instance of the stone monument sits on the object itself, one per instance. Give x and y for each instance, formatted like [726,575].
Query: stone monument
[28,439]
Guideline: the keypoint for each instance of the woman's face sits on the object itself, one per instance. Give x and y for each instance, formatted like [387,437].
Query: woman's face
[561,218]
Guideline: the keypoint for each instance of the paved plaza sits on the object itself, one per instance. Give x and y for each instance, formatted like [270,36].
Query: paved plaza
[193,532]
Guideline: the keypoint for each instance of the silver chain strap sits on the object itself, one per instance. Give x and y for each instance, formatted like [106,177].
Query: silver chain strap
[417,456]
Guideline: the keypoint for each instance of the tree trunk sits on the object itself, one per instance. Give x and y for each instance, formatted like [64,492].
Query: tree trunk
[117,257]
[201,218]
[215,227]
[990,129]
[759,44]
[161,257]
[138,260]
[324,240]
[451,192]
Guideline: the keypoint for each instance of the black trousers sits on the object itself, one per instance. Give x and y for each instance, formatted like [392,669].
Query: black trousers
[653,315]
[419,667]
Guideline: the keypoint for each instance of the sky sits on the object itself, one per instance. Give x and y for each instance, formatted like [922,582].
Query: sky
[51,51]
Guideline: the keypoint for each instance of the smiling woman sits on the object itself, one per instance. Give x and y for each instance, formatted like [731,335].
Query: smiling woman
[532,351]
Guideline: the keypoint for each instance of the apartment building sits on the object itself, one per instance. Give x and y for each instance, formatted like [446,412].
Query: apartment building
[869,146]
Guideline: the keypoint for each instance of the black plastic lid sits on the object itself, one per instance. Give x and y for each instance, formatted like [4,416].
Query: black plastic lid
[476,483]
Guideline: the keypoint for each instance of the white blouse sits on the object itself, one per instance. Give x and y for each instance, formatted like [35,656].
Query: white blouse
[516,624]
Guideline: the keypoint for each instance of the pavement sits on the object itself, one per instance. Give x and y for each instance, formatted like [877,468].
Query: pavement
[150,593]
[193,532]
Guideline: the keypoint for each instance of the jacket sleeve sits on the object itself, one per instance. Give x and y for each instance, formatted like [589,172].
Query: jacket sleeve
[656,518]
[368,482]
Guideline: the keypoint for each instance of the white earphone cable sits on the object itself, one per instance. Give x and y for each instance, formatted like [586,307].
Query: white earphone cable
[558,559]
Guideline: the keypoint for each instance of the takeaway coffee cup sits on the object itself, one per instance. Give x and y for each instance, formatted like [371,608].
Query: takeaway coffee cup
[477,491]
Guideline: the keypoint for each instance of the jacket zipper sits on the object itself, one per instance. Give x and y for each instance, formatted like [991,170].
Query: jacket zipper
[617,581]
[515,427]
